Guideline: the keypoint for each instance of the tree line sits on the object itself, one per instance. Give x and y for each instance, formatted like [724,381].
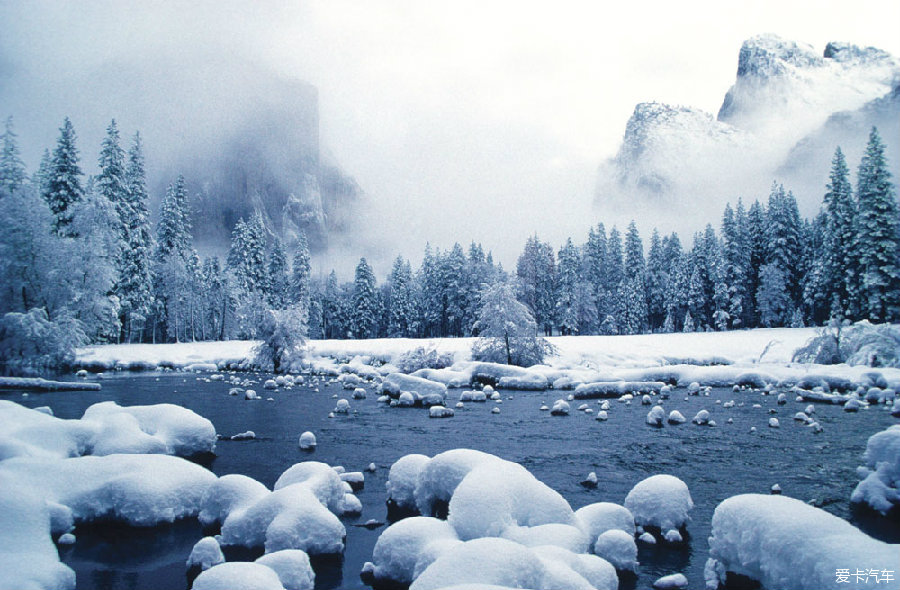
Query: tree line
[81,262]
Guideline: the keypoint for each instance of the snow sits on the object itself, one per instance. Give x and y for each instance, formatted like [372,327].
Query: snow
[660,500]
[676,417]
[600,389]
[230,493]
[238,575]
[397,383]
[560,408]
[880,487]
[440,412]
[439,477]
[307,440]
[38,384]
[656,416]
[292,567]
[205,554]
[401,546]
[785,543]
[618,548]
[402,479]
[181,431]
[28,557]
[595,519]
[671,581]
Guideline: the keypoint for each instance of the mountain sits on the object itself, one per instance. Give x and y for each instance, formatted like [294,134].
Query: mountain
[785,96]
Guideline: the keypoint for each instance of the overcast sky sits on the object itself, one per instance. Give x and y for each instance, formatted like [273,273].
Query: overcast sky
[461,120]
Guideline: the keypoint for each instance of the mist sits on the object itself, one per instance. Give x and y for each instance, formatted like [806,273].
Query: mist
[463,122]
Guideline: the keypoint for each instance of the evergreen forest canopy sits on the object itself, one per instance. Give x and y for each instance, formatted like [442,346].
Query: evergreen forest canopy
[80,263]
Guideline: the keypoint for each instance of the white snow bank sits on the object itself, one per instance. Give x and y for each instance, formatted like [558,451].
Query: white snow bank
[660,500]
[880,487]
[785,543]
[299,514]
[238,575]
[403,547]
[402,478]
[140,490]
[38,384]
[106,428]
[618,548]
[177,355]
[292,567]
[595,519]
[28,558]
[601,389]
[439,477]
[396,383]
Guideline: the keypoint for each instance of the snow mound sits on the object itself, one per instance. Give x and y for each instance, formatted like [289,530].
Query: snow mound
[785,543]
[660,500]
[676,417]
[596,519]
[402,545]
[28,557]
[140,490]
[206,554]
[611,389]
[307,441]
[238,575]
[472,396]
[182,431]
[528,382]
[439,477]
[402,478]
[560,408]
[564,536]
[880,487]
[396,383]
[656,416]
[618,548]
[228,494]
[292,567]
[497,495]
[440,412]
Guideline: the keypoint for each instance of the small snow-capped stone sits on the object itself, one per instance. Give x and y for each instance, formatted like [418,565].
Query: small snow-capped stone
[359,393]
[775,489]
[279,380]
[646,400]
[66,539]
[801,417]
[495,396]
[810,409]
[590,481]
[440,412]
[602,416]
[560,408]
[235,391]
[712,424]
[618,548]
[250,394]
[673,536]
[307,440]
[604,405]
[342,407]
[384,399]
[852,405]
[671,581]
[730,421]
[371,468]
[406,400]
[665,391]
[589,411]
[487,389]
[676,417]
[82,373]
[782,399]
[753,429]
[773,423]
[206,554]
[728,404]
[270,384]
[701,418]
[693,388]
[582,407]
[460,405]
[656,416]
[647,538]
[570,397]
[248,435]
[495,410]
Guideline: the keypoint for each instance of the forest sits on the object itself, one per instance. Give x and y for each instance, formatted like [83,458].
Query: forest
[82,262]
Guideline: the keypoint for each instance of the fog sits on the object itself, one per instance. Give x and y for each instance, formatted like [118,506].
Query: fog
[460,121]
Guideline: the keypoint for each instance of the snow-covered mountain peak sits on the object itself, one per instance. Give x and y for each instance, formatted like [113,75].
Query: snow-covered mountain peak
[766,56]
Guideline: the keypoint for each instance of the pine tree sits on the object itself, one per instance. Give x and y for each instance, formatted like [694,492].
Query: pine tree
[785,239]
[12,170]
[300,275]
[657,280]
[567,298]
[429,305]
[452,291]
[507,331]
[333,325]
[615,275]
[634,252]
[112,182]
[64,188]
[757,234]
[878,235]
[135,282]
[735,246]
[173,232]
[277,277]
[772,297]
[364,320]
[594,270]
[401,310]
[41,177]
[536,271]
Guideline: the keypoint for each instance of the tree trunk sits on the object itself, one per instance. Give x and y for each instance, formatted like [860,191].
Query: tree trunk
[508,352]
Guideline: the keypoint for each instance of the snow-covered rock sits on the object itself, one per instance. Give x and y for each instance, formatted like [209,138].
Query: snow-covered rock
[610,389]
[656,416]
[560,408]
[401,551]
[671,581]
[880,487]
[701,418]
[595,519]
[785,543]
[660,500]
[402,479]
[307,441]
[205,554]
[238,575]
[396,383]
[676,417]
[292,567]
[342,407]
[440,412]
[618,548]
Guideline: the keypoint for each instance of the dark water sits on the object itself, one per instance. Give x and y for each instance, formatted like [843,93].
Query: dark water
[715,462]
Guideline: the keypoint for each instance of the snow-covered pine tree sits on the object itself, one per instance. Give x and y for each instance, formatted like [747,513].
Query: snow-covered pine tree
[786,239]
[363,318]
[41,177]
[333,322]
[773,298]
[594,269]
[174,250]
[453,280]
[657,281]
[758,240]
[567,289]
[277,276]
[112,183]
[734,248]
[64,188]
[878,235]
[688,324]
[429,304]
[536,271]
[135,282]
[12,169]
[678,287]
[401,307]
[615,275]
[173,232]
[301,272]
